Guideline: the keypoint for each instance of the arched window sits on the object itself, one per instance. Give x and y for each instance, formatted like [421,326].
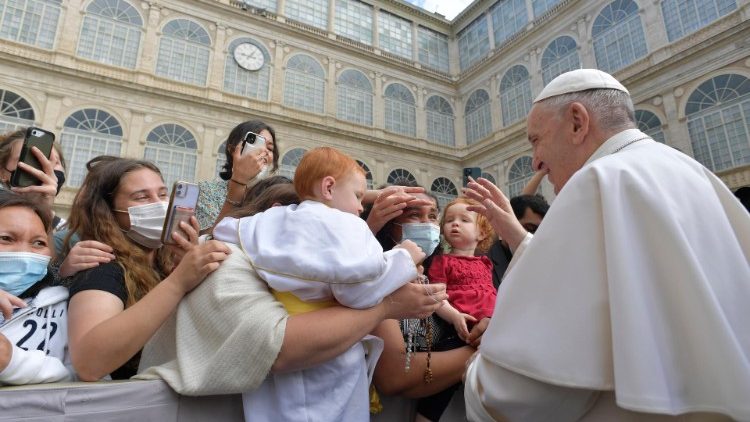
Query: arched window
[111,33]
[440,121]
[683,17]
[221,158]
[542,6]
[478,116]
[368,174]
[649,124]
[86,134]
[290,161]
[519,175]
[444,190]
[400,177]
[400,110]
[184,51]
[718,113]
[354,102]
[251,84]
[489,177]
[15,111]
[618,36]
[305,85]
[508,18]
[32,22]
[173,149]
[515,94]
[560,56]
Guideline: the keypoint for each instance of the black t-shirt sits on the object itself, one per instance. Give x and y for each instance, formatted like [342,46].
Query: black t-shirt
[110,278]
[500,257]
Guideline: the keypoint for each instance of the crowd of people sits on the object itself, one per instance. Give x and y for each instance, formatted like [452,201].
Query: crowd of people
[626,299]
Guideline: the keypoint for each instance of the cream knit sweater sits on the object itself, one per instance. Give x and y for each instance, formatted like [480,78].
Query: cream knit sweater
[223,337]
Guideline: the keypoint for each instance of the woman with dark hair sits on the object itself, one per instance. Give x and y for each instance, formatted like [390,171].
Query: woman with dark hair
[116,306]
[51,176]
[414,216]
[33,325]
[244,168]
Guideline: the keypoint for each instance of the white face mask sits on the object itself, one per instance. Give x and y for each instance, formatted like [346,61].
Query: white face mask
[146,224]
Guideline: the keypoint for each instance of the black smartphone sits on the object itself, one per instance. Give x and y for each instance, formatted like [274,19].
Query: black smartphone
[182,203]
[35,137]
[473,172]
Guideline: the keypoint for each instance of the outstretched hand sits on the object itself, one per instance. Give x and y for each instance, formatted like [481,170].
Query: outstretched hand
[495,206]
[390,203]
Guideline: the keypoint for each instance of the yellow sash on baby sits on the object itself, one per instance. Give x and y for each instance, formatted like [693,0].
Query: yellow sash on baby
[295,305]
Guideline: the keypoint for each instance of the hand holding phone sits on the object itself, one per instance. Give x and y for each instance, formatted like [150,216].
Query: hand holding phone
[182,203]
[42,140]
[252,141]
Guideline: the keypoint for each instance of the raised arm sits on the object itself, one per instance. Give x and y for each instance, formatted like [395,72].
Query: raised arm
[495,206]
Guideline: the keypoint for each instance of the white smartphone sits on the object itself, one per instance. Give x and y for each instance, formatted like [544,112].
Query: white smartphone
[251,142]
[182,203]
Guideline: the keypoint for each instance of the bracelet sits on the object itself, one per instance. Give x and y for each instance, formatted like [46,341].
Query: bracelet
[241,184]
[233,203]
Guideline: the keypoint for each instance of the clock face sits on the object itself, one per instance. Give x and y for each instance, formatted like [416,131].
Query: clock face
[249,56]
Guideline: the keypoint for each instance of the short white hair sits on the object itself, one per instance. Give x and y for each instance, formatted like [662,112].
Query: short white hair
[612,108]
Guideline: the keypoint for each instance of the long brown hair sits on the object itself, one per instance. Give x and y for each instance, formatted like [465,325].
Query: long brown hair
[92,218]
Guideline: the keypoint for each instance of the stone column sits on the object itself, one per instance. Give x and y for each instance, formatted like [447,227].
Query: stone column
[206,156]
[53,113]
[496,109]
[421,114]
[218,54]
[490,30]
[533,60]
[134,141]
[150,43]
[330,91]
[375,27]
[676,132]
[277,77]
[71,17]
[585,44]
[459,123]
[652,21]
[378,102]
[414,42]
[331,16]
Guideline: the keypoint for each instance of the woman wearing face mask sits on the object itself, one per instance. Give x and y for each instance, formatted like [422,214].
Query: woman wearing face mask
[51,176]
[244,167]
[33,326]
[116,307]
[400,213]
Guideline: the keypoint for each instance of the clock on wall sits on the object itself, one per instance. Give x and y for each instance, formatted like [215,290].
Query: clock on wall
[248,56]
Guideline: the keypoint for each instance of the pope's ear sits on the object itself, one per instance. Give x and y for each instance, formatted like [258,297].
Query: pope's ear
[326,187]
[580,119]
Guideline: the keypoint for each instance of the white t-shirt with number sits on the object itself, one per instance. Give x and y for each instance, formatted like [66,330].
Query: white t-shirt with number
[39,334]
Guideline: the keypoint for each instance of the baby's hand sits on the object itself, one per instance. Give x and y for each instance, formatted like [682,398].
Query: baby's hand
[417,255]
[459,320]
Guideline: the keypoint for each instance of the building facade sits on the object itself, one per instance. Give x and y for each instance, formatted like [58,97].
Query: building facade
[407,93]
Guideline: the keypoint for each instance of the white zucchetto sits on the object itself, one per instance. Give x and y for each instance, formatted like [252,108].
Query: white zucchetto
[579,80]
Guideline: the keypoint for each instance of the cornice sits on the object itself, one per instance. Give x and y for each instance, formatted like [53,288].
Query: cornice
[414,10]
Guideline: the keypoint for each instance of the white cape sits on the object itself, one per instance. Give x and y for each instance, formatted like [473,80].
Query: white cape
[638,281]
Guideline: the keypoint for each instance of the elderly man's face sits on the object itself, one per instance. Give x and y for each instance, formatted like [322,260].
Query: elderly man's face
[549,131]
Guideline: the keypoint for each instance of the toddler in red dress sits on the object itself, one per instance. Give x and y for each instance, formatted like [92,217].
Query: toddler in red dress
[471,295]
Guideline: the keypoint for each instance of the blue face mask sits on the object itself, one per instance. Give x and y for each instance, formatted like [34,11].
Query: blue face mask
[425,235]
[20,270]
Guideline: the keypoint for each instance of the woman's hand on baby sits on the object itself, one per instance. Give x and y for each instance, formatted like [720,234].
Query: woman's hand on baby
[414,300]
[417,254]
[197,263]
[84,255]
[8,302]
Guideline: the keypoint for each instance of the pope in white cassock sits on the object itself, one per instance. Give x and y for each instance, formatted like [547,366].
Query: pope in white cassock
[632,300]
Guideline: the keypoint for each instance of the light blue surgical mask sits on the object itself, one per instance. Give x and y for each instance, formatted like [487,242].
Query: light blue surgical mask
[20,270]
[425,235]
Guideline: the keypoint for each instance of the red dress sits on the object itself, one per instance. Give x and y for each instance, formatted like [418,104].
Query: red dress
[469,283]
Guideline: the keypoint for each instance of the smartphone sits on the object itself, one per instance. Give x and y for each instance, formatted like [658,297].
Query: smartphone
[35,137]
[252,141]
[473,172]
[182,203]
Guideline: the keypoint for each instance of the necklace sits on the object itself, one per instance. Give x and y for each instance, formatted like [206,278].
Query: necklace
[411,328]
[631,142]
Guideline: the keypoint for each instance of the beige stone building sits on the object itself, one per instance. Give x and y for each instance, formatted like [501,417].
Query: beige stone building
[406,92]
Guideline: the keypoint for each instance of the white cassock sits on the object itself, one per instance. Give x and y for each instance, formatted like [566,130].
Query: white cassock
[631,302]
[319,254]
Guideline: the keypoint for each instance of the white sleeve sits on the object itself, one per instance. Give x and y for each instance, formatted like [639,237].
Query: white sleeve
[33,367]
[494,393]
[399,270]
